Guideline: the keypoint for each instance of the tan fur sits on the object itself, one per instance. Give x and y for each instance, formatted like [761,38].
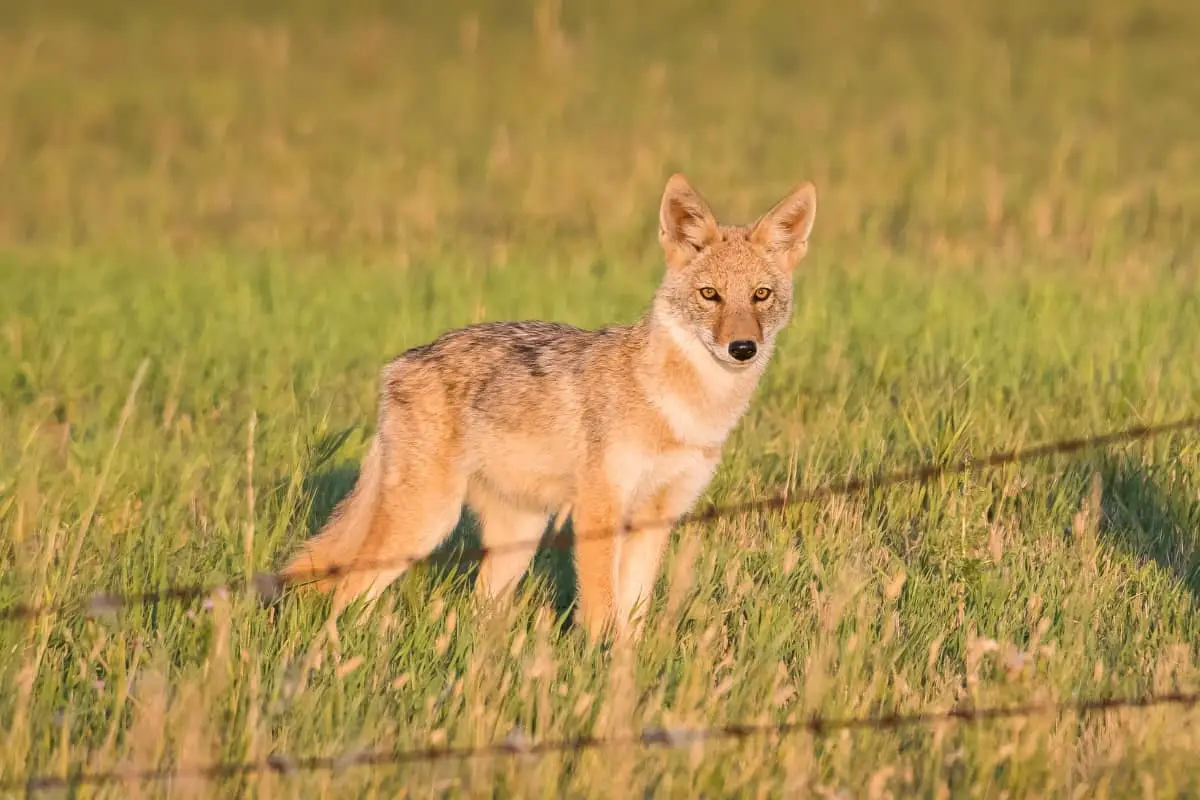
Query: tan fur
[622,426]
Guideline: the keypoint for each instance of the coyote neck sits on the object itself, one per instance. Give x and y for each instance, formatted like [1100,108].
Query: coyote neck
[699,398]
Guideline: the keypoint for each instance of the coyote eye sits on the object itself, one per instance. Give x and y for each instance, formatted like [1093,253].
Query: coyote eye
[709,293]
[762,293]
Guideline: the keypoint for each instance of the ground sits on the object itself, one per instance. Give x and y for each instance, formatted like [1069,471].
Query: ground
[266,206]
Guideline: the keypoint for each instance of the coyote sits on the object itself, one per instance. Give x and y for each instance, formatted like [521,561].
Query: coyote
[623,426]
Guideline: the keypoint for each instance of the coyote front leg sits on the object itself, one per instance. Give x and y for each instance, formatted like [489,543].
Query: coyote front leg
[646,541]
[596,520]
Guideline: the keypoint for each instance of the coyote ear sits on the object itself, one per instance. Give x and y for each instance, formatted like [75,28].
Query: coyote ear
[784,230]
[685,224]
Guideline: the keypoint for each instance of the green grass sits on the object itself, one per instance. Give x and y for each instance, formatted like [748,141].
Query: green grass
[267,205]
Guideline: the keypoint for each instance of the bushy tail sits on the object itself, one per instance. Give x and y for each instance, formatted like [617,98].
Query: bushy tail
[338,543]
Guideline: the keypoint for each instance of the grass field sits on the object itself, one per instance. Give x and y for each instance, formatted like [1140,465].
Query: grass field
[265,205]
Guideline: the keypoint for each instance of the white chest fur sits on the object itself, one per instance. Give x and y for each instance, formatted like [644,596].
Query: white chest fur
[637,474]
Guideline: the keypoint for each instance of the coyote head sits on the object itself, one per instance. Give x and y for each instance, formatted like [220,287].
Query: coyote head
[730,287]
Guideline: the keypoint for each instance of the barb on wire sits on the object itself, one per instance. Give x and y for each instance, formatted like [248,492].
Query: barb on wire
[650,737]
[269,586]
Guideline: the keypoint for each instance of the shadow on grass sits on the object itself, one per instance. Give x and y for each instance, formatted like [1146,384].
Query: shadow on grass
[552,569]
[1149,513]
[1146,511]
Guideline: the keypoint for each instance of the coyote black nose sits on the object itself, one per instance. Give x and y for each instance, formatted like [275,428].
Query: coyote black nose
[743,350]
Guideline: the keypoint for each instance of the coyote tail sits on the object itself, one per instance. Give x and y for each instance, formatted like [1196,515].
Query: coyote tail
[338,543]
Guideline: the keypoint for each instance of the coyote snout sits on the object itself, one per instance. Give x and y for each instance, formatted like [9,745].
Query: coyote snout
[519,420]
[743,349]
[739,331]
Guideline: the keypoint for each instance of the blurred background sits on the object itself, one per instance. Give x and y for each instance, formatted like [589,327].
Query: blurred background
[961,131]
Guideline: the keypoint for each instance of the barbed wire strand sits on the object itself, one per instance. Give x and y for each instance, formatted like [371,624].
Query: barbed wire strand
[650,737]
[268,586]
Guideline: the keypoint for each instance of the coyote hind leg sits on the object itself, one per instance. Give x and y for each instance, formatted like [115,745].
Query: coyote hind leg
[421,488]
[511,535]
[409,523]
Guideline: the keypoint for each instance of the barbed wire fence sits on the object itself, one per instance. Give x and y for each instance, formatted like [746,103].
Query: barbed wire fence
[268,587]
[517,746]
